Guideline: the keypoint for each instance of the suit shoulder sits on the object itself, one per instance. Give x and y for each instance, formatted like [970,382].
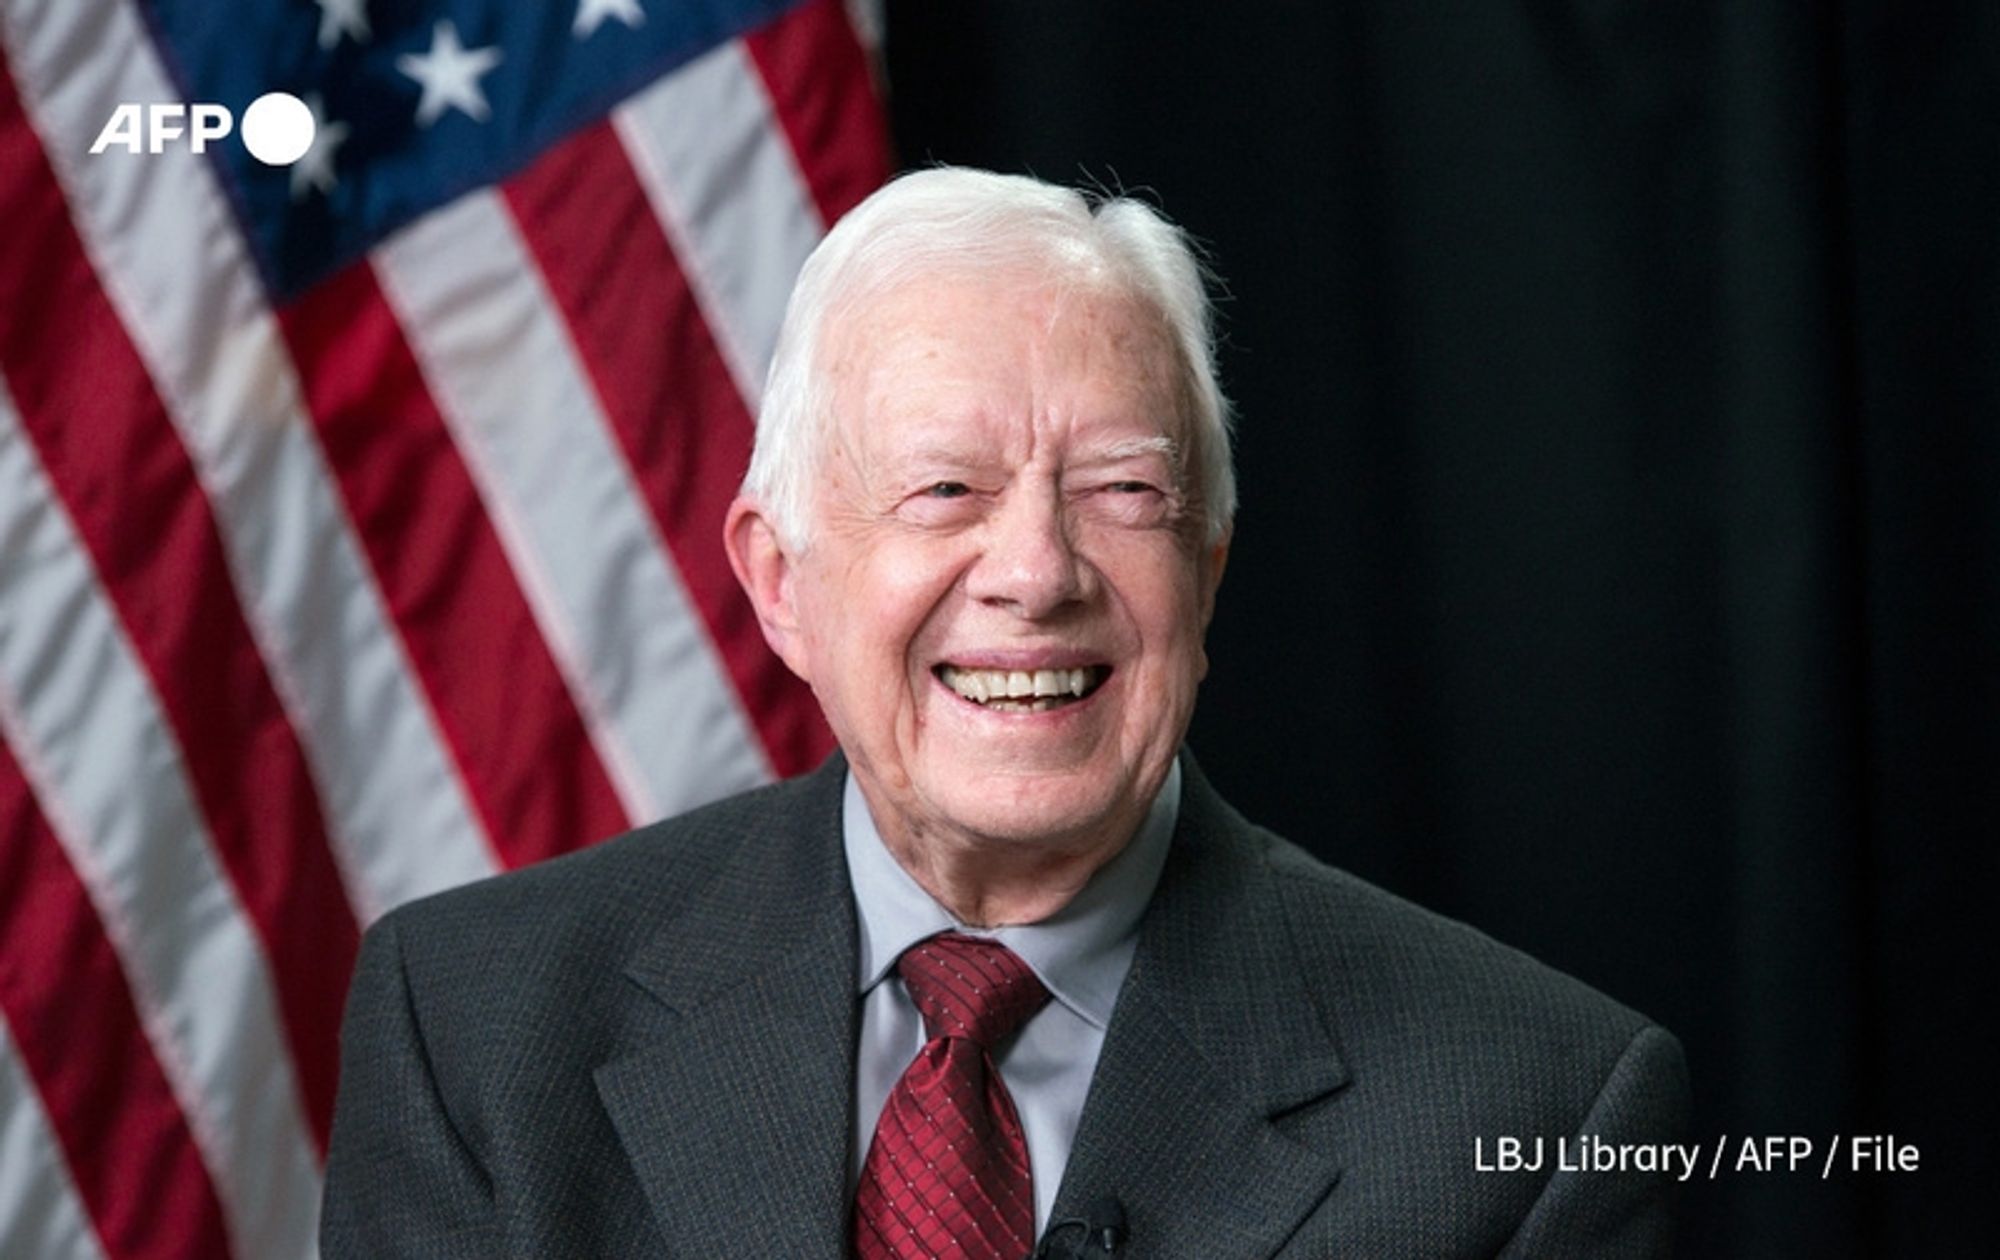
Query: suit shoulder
[1384,962]
[612,889]
[1447,1038]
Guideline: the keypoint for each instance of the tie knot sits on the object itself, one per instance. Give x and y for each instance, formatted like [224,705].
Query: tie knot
[971,988]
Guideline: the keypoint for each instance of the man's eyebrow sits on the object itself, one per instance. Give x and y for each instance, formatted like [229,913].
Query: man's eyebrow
[1131,448]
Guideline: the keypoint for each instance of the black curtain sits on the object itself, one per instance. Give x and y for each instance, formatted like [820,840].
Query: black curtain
[1619,560]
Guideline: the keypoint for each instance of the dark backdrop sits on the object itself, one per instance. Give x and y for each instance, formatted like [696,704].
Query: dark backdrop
[1619,560]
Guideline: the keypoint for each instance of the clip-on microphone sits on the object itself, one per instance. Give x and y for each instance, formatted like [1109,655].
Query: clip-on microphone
[1103,1226]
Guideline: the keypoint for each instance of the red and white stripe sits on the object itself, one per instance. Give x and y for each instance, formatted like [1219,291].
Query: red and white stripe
[699,139]
[660,710]
[106,851]
[41,1213]
[305,612]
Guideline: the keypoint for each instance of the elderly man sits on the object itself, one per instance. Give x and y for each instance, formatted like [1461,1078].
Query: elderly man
[1007,969]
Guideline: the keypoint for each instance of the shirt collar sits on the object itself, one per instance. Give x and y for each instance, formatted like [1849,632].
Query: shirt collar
[1080,953]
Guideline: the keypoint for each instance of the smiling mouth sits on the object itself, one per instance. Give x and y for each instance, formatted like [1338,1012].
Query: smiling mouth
[1023,690]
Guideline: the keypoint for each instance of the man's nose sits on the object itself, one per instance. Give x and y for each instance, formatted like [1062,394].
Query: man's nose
[1029,562]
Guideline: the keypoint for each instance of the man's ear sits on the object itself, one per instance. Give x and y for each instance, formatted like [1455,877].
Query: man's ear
[768,573]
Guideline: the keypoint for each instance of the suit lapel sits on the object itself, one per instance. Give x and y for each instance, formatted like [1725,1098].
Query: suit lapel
[1214,1036]
[734,1113]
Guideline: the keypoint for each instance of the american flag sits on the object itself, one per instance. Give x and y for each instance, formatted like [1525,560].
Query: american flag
[360,527]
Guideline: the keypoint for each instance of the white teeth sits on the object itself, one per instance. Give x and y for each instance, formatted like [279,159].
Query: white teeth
[1001,686]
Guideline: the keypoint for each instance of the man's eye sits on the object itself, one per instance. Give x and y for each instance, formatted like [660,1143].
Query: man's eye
[1129,487]
[948,490]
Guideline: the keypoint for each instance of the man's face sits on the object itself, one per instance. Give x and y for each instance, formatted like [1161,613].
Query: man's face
[1002,600]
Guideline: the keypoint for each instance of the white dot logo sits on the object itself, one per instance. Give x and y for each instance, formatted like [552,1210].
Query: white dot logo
[277,129]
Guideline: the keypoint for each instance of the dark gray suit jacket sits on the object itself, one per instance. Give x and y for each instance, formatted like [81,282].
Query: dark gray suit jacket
[646,1049]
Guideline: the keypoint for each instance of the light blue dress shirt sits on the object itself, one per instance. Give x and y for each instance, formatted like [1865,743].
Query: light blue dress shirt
[1080,954]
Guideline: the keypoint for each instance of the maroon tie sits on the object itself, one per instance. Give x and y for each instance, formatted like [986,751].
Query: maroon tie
[947,1174]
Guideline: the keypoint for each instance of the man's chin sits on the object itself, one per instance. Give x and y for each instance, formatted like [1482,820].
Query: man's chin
[1053,809]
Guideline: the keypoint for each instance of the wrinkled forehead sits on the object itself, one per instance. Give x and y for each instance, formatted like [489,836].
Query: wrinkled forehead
[972,345]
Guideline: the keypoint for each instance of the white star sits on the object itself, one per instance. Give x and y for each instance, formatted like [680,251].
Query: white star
[342,17]
[315,169]
[590,14]
[449,73]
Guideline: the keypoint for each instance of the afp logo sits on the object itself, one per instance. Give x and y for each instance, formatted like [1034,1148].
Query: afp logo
[277,128]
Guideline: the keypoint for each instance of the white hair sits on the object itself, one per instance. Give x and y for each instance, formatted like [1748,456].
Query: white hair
[958,219]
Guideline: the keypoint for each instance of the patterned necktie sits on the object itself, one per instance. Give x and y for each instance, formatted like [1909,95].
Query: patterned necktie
[947,1174]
